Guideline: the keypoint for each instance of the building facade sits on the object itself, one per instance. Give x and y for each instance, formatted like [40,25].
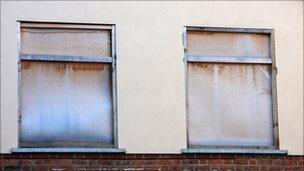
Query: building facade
[163,85]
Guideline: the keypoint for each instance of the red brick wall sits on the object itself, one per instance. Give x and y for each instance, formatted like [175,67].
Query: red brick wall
[137,162]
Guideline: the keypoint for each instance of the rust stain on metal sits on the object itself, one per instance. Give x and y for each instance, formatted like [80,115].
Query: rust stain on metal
[199,66]
[202,32]
[86,66]
[63,66]
[75,66]
[25,64]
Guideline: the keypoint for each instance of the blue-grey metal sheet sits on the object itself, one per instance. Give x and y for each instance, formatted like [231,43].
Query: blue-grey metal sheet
[65,104]
[229,104]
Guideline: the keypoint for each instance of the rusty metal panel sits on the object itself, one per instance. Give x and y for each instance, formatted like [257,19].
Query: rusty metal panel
[66,104]
[63,41]
[229,104]
[228,44]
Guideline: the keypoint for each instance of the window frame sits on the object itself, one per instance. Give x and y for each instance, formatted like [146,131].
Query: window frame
[248,60]
[70,58]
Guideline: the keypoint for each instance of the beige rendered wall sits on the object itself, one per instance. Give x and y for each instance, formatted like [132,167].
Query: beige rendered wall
[151,76]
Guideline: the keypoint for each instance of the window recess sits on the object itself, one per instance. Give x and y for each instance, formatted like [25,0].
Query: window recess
[231,90]
[67,86]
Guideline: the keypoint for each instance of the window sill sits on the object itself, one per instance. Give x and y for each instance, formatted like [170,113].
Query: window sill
[68,150]
[233,151]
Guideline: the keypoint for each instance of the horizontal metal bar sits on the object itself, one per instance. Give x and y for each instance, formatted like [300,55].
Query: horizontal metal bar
[229,29]
[64,144]
[235,151]
[218,59]
[229,147]
[68,150]
[67,58]
[65,25]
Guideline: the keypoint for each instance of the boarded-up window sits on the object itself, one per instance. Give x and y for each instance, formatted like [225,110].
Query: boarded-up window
[229,89]
[66,87]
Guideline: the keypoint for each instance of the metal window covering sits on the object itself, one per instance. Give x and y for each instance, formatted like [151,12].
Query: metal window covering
[66,86]
[229,99]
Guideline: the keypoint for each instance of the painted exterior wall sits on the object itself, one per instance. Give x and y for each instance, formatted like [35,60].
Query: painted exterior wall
[150,67]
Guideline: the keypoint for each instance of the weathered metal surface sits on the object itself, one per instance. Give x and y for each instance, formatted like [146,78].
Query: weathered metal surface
[233,147]
[228,44]
[274,92]
[67,58]
[229,104]
[229,29]
[184,38]
[58,41]
[68,150]
[49,25]
[66,103]
[236,151]
[230,59]
[114,86]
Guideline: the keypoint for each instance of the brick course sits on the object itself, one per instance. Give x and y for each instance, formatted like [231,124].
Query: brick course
[138,162]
